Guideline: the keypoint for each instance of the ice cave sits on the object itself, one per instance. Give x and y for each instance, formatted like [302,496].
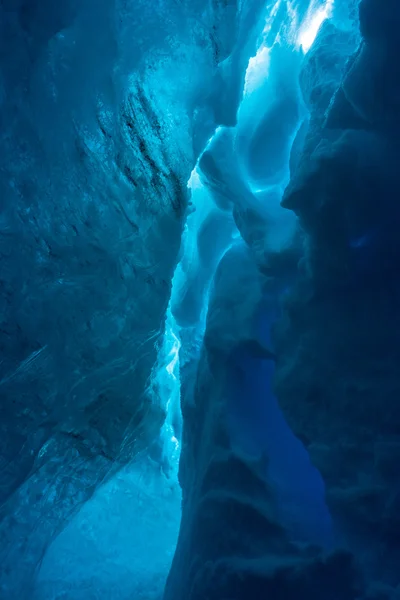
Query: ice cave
[200,300]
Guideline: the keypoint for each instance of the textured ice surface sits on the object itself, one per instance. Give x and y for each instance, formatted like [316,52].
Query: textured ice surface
[105,107]
[340,392]
[249,489]
[125,290]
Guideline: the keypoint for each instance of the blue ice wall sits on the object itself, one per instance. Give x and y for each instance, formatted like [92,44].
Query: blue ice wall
[339,392]
[105,107]
[269,118]
[236,441]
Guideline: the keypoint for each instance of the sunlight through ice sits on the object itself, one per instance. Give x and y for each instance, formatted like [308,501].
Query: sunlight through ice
[174,353]
[313,22]
[258,67]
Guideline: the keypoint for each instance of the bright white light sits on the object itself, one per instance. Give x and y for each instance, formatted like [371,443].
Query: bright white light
[175,442]
[258,67]
[194,180]
[168,391]
[174,353]
[257,70]
[313,22]
[270,17]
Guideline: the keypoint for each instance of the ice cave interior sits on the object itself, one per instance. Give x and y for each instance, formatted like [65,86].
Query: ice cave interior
[199,370]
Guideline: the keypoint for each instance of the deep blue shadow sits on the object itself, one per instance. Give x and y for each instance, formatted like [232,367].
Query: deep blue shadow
[260,429]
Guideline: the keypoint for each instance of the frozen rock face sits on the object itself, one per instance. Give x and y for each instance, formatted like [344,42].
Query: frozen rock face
[104,109]
[337,344]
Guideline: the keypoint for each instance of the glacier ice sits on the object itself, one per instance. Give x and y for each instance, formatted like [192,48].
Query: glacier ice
[198,233]
[102,111]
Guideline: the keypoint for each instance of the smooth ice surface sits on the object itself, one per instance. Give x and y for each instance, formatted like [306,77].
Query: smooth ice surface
[120,545]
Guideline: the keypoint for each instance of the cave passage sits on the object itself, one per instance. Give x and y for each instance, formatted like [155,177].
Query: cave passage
[199,300]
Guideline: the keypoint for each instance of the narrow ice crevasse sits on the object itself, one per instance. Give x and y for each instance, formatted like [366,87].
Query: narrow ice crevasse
[216,176]
[302,35]
[139,485]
